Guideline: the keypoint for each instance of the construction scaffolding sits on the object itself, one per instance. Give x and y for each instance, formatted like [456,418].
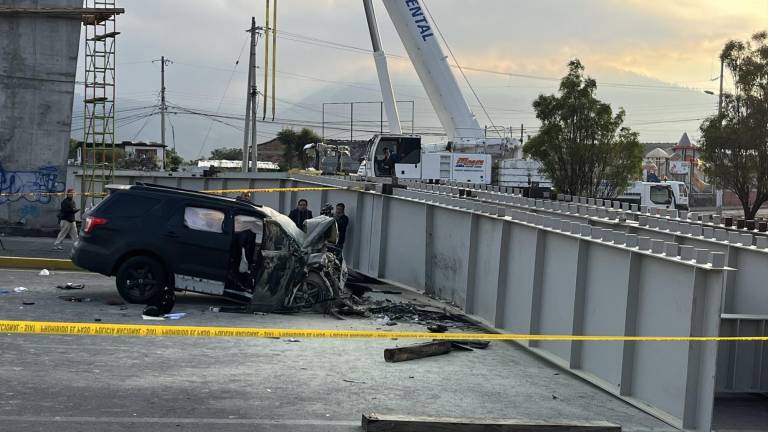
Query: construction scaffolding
[98,149]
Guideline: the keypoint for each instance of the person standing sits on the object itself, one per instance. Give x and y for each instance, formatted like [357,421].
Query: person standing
[300,213]
[244,197]
[389,161]
[342,221]
[67,220]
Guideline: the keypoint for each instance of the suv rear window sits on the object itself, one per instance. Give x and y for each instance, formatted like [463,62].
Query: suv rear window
[127,205]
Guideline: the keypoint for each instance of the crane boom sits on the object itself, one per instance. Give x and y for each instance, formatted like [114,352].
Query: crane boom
[426,55]
[388,95]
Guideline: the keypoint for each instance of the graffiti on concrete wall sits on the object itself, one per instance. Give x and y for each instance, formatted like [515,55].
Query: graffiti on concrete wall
[36,186]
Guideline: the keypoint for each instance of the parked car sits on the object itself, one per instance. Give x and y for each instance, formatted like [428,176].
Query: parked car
[151,237]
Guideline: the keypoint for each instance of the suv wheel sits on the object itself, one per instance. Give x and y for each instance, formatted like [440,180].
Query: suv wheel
[140,279]
[311,294]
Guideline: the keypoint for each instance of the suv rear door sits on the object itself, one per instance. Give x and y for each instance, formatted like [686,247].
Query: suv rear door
[199,238]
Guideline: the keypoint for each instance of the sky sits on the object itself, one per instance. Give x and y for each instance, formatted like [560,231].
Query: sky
[653,58]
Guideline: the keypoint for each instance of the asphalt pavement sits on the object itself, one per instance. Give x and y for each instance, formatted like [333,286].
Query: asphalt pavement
[34,247]
[106,383]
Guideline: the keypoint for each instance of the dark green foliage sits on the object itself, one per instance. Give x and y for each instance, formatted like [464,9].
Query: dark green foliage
[581,143]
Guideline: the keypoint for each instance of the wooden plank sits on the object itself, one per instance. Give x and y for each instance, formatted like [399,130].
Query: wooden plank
[373,422]
[413,352]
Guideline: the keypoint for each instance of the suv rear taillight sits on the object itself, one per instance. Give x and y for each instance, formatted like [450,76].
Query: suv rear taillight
[91,222]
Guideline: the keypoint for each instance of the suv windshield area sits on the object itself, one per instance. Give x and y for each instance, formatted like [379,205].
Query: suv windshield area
[157,240]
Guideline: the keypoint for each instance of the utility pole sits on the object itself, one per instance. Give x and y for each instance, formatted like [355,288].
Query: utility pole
[266,60]
[718,191]
[720,95]
[253,96]
[246,135]
[163,63]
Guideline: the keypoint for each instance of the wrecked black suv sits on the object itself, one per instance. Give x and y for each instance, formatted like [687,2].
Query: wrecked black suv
[152,237]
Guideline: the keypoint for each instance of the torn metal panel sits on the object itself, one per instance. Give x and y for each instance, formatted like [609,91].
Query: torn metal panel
[190,283]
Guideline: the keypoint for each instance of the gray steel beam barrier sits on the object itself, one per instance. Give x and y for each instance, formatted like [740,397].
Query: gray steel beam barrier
[529,273]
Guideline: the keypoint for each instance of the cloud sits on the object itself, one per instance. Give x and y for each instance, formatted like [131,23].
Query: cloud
[675,42]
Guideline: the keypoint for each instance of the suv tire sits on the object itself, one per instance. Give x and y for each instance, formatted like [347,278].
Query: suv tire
[140,279]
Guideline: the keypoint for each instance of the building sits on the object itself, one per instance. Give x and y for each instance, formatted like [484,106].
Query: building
[274,151]
[236,165]
[141,150]
[152,152]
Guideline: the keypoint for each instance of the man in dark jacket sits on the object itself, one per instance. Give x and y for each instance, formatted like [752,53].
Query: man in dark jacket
[300,213]
[67,220]
[342,221]
[389,161]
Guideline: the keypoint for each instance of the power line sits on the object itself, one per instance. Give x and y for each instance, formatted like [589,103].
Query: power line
[360,50]
[223,95]
[144,125]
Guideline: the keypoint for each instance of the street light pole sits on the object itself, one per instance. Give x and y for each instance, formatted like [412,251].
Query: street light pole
[720,95]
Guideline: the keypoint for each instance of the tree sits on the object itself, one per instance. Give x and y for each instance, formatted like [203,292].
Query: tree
[734,143]
[294,145]
[224,153]
[582,144]
[172,160]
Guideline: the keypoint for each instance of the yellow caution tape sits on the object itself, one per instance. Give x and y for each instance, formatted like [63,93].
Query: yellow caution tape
[100,329]
[263,190]
[32,195]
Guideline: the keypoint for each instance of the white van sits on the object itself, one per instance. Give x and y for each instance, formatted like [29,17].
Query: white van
[680,189]
[649,194]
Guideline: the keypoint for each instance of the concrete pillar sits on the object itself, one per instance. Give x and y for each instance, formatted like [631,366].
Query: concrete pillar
[38,62]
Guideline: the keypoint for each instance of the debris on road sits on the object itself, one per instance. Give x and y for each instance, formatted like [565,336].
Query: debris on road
[437,328]
[175,316]
[74,299]
[353,381]
[471,344]
[71,286]
[27,303]
[4,291]
[413,352]
[292,340]
[152,311]
[19,289]
[387,311]
[44,272]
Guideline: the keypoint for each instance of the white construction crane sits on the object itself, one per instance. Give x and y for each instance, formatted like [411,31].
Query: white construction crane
[466,154]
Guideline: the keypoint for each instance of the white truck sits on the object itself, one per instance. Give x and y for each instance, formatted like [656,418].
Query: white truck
[680,189]
[649,194]
[466,155]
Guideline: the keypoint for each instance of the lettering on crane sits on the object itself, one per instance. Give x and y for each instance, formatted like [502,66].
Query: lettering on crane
[465,162]
[420,20]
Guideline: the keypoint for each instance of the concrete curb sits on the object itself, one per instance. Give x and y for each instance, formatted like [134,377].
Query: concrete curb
[37,263]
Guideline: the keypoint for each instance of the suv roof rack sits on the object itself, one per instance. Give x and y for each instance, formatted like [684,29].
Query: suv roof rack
[205,195]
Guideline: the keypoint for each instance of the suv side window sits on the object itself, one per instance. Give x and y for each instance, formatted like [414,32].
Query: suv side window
[203,219]
[127,205]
